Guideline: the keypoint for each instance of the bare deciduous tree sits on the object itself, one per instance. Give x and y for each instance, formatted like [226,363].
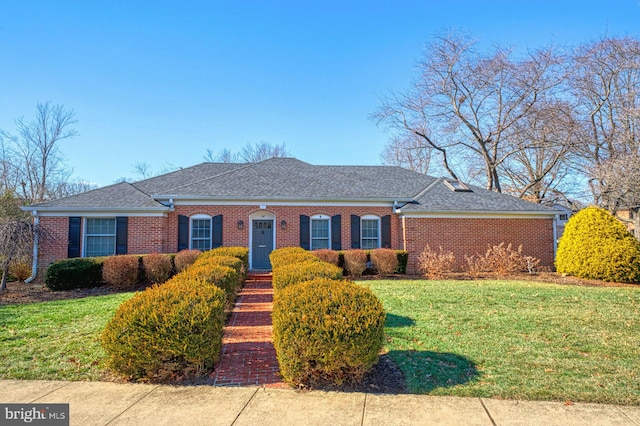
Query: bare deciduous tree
[16,242]
[541,143]
[606,90]
[464,104]
[39,169]
[250,153]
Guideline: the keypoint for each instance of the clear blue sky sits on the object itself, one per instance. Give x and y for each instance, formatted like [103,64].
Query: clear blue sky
[163,81]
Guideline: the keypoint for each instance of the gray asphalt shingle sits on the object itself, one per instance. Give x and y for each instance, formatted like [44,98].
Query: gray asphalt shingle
[292,179]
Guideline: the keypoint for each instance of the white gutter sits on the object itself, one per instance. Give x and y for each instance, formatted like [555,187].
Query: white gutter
[34,265]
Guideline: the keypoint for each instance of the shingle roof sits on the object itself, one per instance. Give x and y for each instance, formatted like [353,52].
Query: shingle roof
[288,178]
[438,197]
[292,179]
[118,196]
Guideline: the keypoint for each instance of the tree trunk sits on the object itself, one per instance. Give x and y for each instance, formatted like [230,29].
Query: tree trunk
[3,284]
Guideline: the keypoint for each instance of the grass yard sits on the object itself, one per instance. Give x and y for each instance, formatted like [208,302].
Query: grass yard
[55,340]
[511,339]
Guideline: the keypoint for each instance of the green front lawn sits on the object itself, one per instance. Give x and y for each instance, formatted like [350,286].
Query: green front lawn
[512,339]
[502,339]
[55,340]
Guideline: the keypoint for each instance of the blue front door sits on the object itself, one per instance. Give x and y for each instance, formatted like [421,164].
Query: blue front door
[262,245]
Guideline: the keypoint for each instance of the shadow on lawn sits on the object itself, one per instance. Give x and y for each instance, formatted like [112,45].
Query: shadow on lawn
[397,321]
[426,371]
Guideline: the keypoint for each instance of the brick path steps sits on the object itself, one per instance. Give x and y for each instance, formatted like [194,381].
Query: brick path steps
[248,356]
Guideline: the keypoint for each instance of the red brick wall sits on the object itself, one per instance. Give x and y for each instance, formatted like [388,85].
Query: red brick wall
[146,234]
[55,243]
[462,236]
[471,236]
[232,236]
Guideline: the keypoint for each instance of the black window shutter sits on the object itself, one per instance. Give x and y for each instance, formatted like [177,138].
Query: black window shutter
[217,231]
[305,232]
[122,224]
[183,232]
[385,225]
[355,231]
[336,231]
[73,250]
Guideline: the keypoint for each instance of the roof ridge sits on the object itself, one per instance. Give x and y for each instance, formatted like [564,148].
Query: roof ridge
[213,177]
[429,187]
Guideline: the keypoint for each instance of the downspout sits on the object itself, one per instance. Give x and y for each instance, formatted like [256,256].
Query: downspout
[555,236]
[34,265]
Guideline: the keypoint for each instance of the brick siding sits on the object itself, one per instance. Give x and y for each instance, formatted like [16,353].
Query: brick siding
[472,236]
[462,236]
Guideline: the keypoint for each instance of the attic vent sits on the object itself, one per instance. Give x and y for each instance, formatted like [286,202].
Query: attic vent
[456,186]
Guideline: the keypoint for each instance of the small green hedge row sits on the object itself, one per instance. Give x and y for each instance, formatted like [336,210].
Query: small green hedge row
[173,330]
[67,274]
[325,329]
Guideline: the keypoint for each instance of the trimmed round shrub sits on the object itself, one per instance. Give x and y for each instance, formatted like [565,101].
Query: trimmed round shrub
[307,270]
[121,271]
[215,274]
[327,331]
[167,332]
[241,253]
[288,255]
[67,274]
[157,267]
[185,258]
[326,255]
[596,245]
[355,262]
[221,259]
[384,260]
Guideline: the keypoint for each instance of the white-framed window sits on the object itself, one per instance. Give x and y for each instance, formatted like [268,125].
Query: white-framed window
[99,236]
[200,232]
[370,232]
[320,232]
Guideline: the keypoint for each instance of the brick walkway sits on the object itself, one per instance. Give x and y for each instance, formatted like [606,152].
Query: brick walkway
[248,356]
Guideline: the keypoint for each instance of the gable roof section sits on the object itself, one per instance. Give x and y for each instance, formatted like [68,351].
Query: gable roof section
[289,179]
[120,196]
[440,198]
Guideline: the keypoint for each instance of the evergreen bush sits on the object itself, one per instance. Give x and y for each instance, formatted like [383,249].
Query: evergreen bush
[326,331]
[294,273]
[167,332]
[596,245]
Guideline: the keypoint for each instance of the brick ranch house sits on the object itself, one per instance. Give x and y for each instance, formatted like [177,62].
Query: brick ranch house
[286,202]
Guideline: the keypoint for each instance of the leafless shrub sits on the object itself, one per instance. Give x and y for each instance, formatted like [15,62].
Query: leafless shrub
[501,260]
[435,264]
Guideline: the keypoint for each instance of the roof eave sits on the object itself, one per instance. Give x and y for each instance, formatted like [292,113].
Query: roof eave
[476,213]
[278,199]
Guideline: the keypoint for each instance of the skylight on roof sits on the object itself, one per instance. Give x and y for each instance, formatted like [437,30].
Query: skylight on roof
[456,185]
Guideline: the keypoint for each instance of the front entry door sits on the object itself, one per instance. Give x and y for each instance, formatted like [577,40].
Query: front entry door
[262,243]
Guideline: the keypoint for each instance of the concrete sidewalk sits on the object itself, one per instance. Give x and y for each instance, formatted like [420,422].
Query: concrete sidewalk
[101,403]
